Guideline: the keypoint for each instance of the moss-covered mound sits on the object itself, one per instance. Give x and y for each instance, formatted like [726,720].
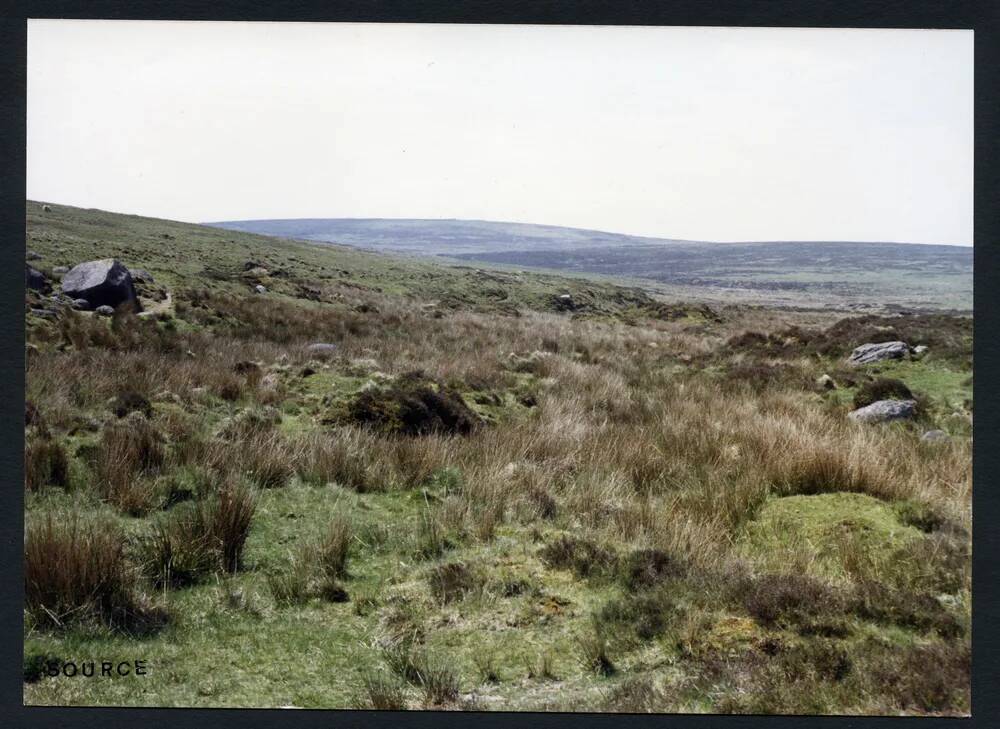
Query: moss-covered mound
[412,405]
[829,535]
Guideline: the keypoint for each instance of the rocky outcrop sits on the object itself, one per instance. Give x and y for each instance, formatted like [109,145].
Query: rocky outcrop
[102,283]
[877,352]
[884,411]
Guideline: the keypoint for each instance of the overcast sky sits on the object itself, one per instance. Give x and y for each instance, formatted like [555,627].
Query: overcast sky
[698,133]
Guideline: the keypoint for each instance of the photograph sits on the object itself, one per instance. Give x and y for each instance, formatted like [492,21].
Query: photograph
[497,368]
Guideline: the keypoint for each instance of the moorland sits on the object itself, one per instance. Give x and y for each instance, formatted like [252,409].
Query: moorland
[300,474]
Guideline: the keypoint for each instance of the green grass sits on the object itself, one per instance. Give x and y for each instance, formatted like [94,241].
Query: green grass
[824,532]
[599,410]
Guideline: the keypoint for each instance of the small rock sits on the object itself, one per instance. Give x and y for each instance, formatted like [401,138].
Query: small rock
[35,279]
[44,313]
[933,436]
[884,411]
[826,382]
[260,289]
[46,208]
[141,275]
[32,256]
[60,270]
[81,304]
[167,396]
[104,310]
[877,352]
[321,349]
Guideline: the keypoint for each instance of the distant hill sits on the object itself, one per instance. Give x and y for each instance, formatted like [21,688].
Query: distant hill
[438,237]
[791,272]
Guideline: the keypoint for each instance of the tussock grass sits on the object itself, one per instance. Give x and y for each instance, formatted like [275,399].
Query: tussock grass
[600,509]
[77,572]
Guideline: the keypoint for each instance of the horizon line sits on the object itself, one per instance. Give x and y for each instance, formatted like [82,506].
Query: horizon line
[218,223]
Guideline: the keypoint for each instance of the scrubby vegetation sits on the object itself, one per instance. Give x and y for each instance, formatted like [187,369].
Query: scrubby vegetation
[475,500]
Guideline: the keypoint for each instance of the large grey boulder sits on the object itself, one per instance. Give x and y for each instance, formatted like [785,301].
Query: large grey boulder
[877,352]
[35,279]
[102,283]
[884,411]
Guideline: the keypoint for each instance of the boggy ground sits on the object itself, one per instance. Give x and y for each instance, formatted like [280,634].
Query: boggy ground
[481,498]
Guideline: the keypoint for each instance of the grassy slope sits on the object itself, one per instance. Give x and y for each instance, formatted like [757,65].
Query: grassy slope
[256,652]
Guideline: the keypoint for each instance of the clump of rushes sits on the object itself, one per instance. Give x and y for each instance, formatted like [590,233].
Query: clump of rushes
[45,463]
[334,547]
[381,692]
[196,539]
[130,449]
[291,586]
[592,647]
[76,572]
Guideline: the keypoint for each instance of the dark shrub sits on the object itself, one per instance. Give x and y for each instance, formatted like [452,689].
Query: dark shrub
[31,414]
[413,406]
[452,581]
[647,567]
[45,463]
[36,666]
[646,615]
[881,388]
[759,376]
[585,558]
[930,678]
[246,368]
[634,695]
[787,598]
[131,402]
[827,660]
[918,611]
[333,591]
[543,502]
[748,341]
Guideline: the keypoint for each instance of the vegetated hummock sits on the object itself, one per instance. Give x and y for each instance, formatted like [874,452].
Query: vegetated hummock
[873,276]
[307,475]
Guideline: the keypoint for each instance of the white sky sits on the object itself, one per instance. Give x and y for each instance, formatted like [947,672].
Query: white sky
[700,133]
